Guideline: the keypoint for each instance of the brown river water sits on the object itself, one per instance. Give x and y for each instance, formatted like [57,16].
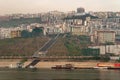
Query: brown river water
[48,74]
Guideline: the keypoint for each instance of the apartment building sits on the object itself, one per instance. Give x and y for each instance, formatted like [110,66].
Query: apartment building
[103,36]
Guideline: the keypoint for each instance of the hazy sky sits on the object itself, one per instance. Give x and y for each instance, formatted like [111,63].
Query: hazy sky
[36,6]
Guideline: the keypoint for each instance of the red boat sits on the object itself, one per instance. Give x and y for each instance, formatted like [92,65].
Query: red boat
[109,65]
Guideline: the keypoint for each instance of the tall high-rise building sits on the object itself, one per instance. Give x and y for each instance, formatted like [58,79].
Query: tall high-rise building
[80,10]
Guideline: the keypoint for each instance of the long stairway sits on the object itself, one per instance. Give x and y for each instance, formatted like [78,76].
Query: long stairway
[42,50]
[33,63]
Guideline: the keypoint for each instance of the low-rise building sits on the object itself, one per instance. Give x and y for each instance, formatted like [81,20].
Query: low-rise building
[114,58]
[15,33]
[5,33]
[10,32]
[79,30]
[114,49]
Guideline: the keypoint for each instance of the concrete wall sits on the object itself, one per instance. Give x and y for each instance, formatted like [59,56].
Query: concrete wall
[109,49]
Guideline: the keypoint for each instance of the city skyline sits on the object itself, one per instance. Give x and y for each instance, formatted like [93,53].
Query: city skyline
[37,6]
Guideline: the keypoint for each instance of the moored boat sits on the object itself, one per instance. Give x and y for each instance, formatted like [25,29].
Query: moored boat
[66,66]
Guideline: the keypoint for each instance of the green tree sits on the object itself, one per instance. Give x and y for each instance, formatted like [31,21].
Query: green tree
[37,32]
[25,34]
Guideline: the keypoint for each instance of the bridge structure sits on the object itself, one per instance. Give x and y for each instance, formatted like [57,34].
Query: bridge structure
[42,51]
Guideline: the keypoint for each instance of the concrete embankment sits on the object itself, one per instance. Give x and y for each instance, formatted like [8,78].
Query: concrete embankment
[50,64]
[47,64]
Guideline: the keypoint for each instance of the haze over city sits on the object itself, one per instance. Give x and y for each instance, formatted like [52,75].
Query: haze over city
[36,6]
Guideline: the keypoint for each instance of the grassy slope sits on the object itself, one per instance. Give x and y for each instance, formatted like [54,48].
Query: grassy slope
[58,49]
[21,46]
[71,46]
[74,44]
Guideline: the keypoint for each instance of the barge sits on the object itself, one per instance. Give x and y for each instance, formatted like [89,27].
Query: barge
[66,66]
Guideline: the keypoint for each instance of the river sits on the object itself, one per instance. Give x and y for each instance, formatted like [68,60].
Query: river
[47,74]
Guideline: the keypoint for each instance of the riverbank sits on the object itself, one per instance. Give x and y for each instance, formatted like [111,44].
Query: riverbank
[8,62]
[49,64]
